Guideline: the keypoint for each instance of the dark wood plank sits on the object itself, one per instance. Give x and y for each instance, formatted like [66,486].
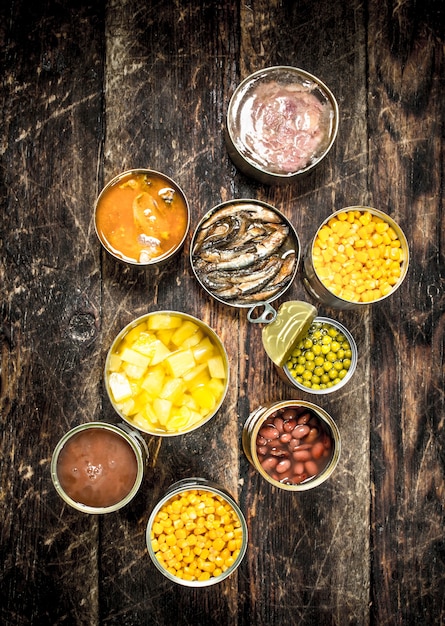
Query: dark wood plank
[406,157]
[50,305]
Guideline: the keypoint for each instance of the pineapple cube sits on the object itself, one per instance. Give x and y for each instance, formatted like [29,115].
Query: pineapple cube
[179,419]
[154,380]
[173,390]
[202,378]
[133,371]
[135,358]
[120,386]
[193,340]
[143,421]
[134,333]
[162,409]
[204,397]
[151,416]
[185,331]
[195,371]
[180,362]
[144,343]
[216,386]
[126,407]
[204,350]
[114,363]
[165,335]
[160,352]
[216,367]
[163,321]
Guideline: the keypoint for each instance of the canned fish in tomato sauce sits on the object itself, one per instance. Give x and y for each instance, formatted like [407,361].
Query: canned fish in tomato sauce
[293,444]
[281,122]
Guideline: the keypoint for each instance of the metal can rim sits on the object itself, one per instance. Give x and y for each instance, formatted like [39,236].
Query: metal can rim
[139,448]
[192,484]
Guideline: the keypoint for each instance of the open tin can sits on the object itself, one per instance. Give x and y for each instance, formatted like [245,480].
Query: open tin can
[210,554]
[98,468]
[294,445]
[142,217]
[314,354]
[166,373]
[281,122]
[358,256]
[244,252]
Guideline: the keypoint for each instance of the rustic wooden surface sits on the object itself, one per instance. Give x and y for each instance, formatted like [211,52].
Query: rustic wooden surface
[91,89]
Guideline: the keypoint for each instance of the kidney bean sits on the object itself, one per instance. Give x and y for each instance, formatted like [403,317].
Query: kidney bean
[278,423]
[317,450]
[299,468]
[289,425]
[303,419]
[282,466]
[293,445]
[300,431]
[311,467]
[269,463]
[269,432]
[286,437]
[289,414]
[302,455]
[312,435]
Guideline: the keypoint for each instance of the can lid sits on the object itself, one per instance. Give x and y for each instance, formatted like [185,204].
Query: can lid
[290,325]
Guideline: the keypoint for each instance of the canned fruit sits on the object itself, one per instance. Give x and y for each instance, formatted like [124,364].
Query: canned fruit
[167,374]
[196,535]
[322,359]
[141,217]
[294,445]
[358,256]
[244,252]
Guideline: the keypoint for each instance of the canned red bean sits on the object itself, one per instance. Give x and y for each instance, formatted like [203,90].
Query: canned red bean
[295,445]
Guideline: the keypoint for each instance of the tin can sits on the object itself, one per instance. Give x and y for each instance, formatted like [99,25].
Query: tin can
[244,252]
[281,122]
[295,339]
[224,555]
[142,218]
[334,296]
[98,468]
[293,444]
[166,373]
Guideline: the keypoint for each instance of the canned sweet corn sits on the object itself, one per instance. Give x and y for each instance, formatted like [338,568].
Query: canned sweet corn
[358,256]
[196,535]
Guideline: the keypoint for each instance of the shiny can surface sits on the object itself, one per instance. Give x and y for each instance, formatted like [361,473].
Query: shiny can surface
[237,269]
[142,218]
[302,130]
[194,486]
[158,398]
[263,415]
[129,437]
[315,286]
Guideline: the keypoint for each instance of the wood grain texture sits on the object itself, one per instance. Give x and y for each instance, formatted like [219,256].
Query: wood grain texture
[90,92]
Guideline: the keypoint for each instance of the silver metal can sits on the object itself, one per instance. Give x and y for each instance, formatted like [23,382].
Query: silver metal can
[166,373]
[142,218]
[337,297]
[245,252]
[197,503]
[98,468]
[294,445]
[281,122]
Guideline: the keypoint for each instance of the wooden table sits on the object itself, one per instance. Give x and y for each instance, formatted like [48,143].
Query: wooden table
[89,92]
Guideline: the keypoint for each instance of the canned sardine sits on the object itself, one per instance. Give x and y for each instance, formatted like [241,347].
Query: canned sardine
[244,252]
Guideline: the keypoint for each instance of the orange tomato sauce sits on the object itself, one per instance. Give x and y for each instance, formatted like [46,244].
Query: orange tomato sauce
[141,217]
